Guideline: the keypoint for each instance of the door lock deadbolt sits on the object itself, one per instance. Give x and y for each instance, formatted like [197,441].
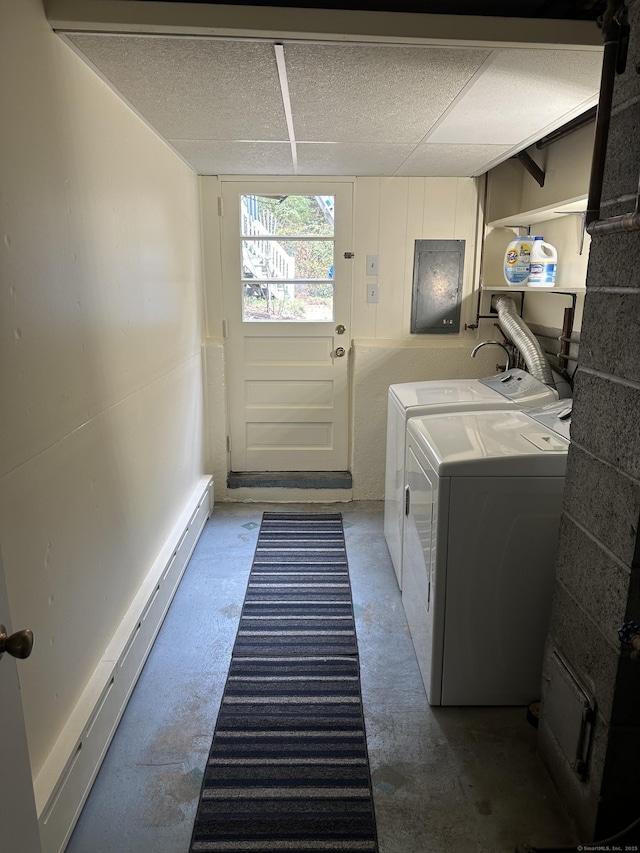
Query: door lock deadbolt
[340,329]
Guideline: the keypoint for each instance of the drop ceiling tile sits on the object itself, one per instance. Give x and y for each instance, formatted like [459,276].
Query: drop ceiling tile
[374,93]
[450,161]
[521,93]
[190,88]
[350,158]
[212,157]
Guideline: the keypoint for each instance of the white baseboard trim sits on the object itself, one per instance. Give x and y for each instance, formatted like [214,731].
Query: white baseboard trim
[64,782]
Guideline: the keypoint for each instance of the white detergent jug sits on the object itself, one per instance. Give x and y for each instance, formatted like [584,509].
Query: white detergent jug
[516,261]
[544,261]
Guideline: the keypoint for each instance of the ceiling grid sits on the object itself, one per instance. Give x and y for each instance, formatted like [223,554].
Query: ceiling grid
[266,106]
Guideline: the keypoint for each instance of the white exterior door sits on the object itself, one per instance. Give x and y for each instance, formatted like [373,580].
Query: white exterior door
[287,301]
[18,819]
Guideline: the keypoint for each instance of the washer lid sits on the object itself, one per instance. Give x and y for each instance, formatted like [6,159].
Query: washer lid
[444,393]
[554,416]
[504,443]
[513,388]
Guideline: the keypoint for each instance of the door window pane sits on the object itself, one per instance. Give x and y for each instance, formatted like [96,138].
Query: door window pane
[289,215]
[291,259]
[287,257]
[277,300]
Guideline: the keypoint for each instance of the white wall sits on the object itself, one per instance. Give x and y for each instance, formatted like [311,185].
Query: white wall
[100,358]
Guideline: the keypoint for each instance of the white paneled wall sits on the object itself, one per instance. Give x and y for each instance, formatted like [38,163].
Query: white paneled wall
[366,241]
[101,381]
[391,248]
[390,214]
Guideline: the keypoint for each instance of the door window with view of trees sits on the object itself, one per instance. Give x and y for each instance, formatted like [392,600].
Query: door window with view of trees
[287,257]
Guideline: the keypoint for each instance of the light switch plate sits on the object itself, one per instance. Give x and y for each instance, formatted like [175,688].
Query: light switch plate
[372,265]
[373,293]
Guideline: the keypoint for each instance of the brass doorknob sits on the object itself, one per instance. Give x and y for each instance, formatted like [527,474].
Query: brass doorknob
[18,645]
[340,351]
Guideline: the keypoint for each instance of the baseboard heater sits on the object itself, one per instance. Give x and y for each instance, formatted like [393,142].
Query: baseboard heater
[67,775]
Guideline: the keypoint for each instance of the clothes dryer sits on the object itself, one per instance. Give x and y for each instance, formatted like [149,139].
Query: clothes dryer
[484,501]
[509,390]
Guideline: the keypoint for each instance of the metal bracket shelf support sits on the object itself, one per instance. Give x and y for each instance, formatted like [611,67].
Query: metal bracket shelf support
[531,166]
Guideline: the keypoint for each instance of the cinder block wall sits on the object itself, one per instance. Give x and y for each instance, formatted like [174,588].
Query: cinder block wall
[598,567]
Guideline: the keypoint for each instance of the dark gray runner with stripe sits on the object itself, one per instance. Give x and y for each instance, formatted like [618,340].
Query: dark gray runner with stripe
[288,768]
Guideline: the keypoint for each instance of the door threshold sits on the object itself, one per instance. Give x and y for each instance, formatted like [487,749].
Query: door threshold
[290,479]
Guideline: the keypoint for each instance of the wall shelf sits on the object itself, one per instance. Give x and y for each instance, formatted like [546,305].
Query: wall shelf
[578,204]
[560,215]
[505,288]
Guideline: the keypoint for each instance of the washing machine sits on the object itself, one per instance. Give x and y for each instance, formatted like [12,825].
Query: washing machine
[484,496]
[512,389]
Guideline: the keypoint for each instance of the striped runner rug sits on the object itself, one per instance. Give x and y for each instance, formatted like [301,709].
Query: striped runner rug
[288,768]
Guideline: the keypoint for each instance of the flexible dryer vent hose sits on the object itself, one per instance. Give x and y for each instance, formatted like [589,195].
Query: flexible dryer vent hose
[521,335]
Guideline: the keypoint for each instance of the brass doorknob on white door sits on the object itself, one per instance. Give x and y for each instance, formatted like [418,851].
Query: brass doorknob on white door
[339,352]
[18,645]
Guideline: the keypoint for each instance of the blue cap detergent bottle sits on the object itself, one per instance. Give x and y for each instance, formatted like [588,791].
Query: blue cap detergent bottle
[516,261]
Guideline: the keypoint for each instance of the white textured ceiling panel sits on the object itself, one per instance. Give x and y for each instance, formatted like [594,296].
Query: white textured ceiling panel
[356,108]
[190,88]
[374,93]
[350,158]
[520,94]
[211,157]
[450,161]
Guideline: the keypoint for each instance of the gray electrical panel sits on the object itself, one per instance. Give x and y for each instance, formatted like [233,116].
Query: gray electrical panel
[438,267]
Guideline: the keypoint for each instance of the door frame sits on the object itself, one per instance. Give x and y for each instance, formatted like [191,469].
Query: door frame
[298,184]
[18,816]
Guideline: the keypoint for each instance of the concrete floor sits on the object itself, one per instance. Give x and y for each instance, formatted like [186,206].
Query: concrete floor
[445,780]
